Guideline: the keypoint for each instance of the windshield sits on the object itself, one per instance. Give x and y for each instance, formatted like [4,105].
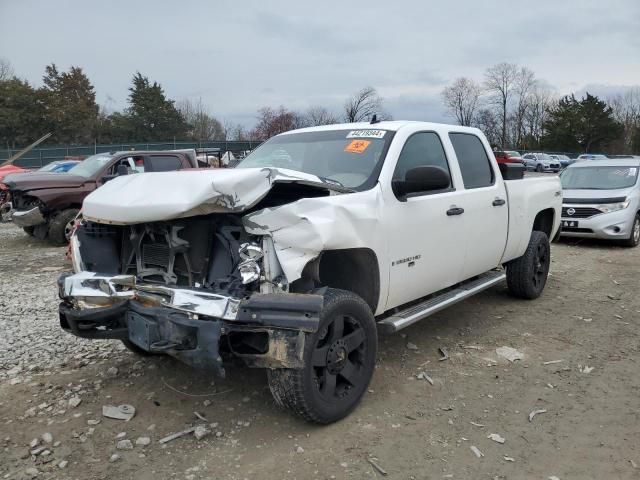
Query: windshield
[350,158]
[50,167]
[91,165]
[512,153]
[599,178]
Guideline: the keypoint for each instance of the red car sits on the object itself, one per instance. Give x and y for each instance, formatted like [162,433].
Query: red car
[507,156]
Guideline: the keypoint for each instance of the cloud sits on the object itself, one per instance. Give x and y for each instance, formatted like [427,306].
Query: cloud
[240,57]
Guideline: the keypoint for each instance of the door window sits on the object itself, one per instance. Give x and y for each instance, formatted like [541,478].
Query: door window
[164,163]
[421,149]
[475,166]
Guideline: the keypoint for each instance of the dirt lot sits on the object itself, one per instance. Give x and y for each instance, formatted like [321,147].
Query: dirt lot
[587,322]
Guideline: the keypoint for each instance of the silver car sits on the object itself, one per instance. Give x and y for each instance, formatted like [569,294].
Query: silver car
[540,162]
[602,200]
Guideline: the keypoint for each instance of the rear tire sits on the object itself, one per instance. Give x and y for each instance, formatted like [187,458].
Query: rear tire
[539,168]
[61,226]
[634,236]
[527,275]
[339,359]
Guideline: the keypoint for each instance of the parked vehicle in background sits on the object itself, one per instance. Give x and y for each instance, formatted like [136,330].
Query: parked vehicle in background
[540,162]
[292,260]
[602,200]
[564,160]
[591,156]
[45,204]
[507,156]
[59,166]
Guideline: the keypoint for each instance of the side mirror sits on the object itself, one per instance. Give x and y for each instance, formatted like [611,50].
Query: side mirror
[427,178]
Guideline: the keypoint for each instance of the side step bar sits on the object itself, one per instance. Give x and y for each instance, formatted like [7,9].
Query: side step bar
[409,316]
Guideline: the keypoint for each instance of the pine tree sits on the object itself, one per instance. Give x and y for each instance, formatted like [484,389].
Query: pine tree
[70,105]
[150,115]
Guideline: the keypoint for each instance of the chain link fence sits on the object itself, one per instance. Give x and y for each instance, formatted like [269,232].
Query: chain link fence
[39,157]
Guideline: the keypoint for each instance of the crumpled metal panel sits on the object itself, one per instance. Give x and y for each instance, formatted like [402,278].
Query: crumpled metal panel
[302,229]
[151,197]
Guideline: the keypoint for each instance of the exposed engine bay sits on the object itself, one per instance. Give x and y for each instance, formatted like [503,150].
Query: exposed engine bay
[211,252]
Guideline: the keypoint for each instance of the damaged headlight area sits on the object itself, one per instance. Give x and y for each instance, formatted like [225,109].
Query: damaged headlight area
[198,289]
[249,268]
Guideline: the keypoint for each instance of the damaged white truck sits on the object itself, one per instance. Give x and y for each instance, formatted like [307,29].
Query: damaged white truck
[295,259]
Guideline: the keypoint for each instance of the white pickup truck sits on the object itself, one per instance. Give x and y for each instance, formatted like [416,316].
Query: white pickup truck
[293,260]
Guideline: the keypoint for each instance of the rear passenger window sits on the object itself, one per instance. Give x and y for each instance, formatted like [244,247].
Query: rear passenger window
[474,162]
[164,163]
[421,149]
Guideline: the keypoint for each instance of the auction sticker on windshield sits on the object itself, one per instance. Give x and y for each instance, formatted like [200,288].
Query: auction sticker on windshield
[366,134]
[357,146]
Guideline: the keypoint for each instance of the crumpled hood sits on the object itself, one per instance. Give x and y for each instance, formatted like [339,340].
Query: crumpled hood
[39,180]
[160,196]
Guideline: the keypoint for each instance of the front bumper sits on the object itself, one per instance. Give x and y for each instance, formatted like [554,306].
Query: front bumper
[28,218]
[607,226]
[194,326]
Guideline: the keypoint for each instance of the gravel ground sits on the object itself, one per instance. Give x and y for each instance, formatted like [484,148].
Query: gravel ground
[579,368]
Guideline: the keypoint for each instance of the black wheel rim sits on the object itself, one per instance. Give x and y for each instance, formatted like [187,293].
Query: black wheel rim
[540,265]
[338,358]
[68,229]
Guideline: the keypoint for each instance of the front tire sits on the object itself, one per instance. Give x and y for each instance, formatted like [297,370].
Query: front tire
[634,236]
[29,231]
[61,226]
[339,360]
[527,275]
[539,168]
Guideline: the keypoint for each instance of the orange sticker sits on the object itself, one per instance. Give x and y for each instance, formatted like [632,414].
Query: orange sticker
[357,146]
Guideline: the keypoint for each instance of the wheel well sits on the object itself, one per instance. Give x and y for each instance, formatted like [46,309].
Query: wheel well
[544,221]
[352,269]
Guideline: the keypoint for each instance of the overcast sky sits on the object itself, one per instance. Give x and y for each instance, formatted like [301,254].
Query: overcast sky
[241,55]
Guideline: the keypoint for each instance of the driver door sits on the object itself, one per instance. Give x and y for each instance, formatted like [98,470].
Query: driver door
[427,239]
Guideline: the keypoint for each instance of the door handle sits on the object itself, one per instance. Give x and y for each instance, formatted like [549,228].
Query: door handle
[455,211]
[498,202]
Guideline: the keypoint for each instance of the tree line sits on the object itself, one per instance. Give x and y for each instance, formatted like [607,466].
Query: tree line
[517,111]
[66,106]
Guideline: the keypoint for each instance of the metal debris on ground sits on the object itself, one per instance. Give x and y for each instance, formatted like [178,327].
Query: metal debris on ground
[495,437]
[551,362]
[173,436]
[471,347]
[536,412]
[121,412]
[443,352]
[424,376]
[509,353]
[585,369]
[375,465]
[509,459]
[477,424]
[477,452]
[200,417]
[200,432]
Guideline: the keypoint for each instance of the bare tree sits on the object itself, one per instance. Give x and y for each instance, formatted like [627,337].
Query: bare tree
[461,99]
[487,121]
[539,101]
[203,126]
[317,115]
[525,82]
[6,70]
[626,110]
[274,121]
[500,83]
[363,105]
